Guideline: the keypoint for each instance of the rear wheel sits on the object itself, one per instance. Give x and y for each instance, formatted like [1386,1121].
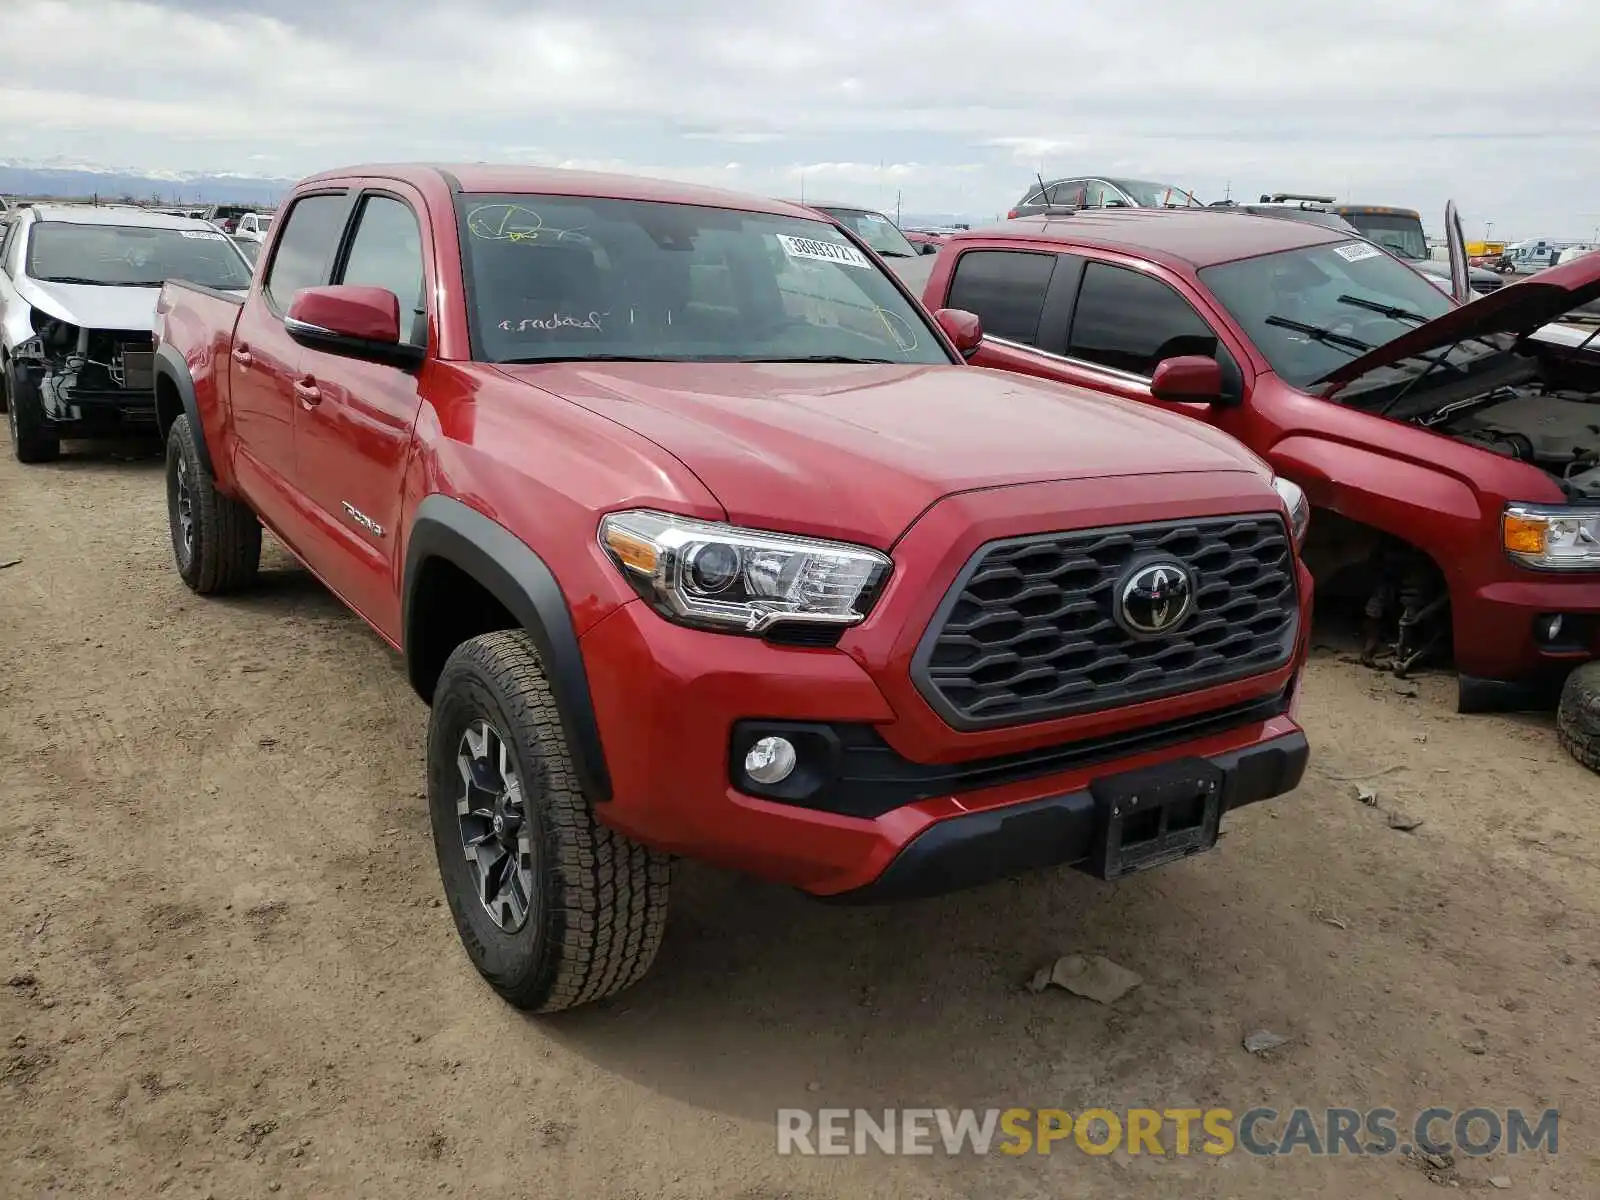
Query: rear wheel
[216,540]
[554,909]
[32,438]
[1578,715]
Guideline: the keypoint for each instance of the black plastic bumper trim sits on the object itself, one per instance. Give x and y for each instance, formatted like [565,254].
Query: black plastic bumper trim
[978,848]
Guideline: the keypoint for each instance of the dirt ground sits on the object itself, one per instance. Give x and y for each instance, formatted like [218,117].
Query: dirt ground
[230,973]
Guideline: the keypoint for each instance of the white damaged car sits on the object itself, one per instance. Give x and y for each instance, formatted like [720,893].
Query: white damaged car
[78,287]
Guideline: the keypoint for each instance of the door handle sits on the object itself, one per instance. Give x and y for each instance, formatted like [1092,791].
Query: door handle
[308,391]
[242,356]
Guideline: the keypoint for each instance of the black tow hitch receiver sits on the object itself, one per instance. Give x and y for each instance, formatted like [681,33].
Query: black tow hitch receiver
[1154,816]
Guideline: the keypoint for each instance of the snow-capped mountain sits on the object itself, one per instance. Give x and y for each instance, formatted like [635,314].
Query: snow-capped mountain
[62,176]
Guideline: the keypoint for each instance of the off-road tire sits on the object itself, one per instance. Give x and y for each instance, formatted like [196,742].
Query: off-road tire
[225,551]
[599,903]
[1578,715]
[32,439]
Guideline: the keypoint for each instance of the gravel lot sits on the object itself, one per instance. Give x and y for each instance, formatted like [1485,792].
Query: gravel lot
[230,973]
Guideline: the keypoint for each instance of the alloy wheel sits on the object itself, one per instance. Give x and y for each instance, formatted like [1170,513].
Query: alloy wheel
[491,814]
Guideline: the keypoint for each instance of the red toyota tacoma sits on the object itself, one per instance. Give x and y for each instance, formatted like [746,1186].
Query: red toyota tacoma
[1451,452]
[700,538]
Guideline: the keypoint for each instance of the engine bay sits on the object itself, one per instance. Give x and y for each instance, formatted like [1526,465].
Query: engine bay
[1557,431]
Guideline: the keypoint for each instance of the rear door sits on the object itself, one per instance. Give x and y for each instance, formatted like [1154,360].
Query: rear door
[354,417]
[265,360]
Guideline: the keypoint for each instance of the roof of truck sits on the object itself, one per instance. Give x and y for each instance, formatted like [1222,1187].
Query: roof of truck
[115,214]
[1195,237]
[557,181]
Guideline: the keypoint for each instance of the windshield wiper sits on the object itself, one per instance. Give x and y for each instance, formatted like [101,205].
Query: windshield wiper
[586,358]
[821,358]
[74,280]
[1392,311]
[896,254]
[1318,334]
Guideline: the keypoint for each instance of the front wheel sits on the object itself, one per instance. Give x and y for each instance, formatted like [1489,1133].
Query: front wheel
[1578,715]
[554,909]
[32,438]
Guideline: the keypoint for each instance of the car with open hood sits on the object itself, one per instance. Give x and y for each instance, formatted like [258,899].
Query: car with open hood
[1451,451]
[78,288]
[700,537]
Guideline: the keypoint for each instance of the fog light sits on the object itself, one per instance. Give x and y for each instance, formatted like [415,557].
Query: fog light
[1548,629]
[770,760]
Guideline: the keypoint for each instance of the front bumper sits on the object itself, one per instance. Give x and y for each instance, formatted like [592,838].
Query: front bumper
[1499,628]
[669,700]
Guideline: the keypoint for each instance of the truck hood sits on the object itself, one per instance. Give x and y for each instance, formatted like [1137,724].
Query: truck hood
[1518,308]
[88,307]
[859,451]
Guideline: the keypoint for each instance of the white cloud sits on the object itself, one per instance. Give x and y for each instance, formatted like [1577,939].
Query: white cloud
[952,104]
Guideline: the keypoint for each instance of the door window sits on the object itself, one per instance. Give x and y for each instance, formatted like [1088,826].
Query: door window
[305,251]
[1130,321]
[387,253]
[1005,288]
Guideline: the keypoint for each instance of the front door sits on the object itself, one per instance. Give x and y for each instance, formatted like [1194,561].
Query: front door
[354,418]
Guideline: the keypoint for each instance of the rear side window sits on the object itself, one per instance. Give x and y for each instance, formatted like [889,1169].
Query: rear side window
[387,252]
[1005,288]
[305,249]
[1131,321]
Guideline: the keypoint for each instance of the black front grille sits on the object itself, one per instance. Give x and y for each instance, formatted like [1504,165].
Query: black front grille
[1488,285]
[1029,630]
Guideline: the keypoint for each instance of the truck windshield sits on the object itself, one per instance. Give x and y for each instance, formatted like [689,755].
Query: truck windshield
[1346,294]
[875,229]
[554,278]
[1400,233]
[132,256]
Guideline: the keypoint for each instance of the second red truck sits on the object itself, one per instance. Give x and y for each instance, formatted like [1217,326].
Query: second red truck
[1451,453]
[700,537]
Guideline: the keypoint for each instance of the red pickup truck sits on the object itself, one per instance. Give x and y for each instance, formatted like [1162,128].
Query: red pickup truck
[1451,454]
[700,538]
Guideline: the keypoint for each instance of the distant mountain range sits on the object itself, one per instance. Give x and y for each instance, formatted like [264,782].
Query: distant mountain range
[66,178]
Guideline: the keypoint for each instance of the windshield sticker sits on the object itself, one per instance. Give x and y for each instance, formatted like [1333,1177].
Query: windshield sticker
[1356,251]
[832,252]
[203,235]
[553,321]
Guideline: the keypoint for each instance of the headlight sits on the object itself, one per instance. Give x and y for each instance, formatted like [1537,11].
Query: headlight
[717,576]
[1299,508]
[31,350]
[1554,538]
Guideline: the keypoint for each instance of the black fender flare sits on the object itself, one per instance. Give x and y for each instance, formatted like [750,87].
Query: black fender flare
[170,365]
[519,579]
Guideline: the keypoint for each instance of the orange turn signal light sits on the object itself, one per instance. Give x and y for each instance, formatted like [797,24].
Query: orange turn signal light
[631,550]
[1525,535]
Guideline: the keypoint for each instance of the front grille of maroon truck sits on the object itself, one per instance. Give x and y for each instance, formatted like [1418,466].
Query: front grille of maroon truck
[1029,630]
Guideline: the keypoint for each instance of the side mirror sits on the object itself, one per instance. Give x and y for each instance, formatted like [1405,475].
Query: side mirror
[962,328]
[1188,377]
[358,322]
[928,248]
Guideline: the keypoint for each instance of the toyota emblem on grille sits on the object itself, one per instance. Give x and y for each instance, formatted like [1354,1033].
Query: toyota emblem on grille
[1155,599]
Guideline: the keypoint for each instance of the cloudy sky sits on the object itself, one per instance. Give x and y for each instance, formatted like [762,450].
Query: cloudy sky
[952,103]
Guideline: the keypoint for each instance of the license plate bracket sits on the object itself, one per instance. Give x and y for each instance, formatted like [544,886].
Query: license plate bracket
[1155,815]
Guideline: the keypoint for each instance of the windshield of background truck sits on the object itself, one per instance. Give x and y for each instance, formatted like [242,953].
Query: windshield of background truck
[1400,233]
[1314,286]
[555,278]
[132,256]
[875,229]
